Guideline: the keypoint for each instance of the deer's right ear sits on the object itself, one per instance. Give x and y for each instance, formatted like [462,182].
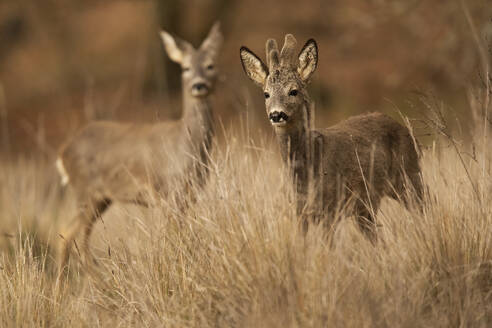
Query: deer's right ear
[175,47]
[253,66]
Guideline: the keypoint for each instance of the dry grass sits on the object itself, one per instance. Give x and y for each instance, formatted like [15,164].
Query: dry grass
[237,257]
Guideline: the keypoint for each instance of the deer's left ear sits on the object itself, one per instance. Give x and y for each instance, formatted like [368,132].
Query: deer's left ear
[308,60]
[214,39]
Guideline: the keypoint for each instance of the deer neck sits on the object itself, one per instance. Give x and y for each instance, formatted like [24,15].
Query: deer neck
[295,146]
[197,120]
[295,141]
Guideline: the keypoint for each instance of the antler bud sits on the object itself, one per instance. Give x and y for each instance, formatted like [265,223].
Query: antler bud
[287,54]
[272,54]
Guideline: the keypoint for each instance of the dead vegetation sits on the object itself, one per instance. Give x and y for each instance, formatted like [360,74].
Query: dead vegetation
[238,258]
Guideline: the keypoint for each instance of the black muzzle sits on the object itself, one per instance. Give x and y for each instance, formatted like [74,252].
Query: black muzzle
[278,117]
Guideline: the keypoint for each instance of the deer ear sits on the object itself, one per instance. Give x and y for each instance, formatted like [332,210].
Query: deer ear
[174,46]
[308,60]
[214,39]
[254,68]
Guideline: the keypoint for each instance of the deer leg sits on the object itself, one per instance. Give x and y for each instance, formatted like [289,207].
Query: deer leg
[302,213]
[84,221]
[409,190]
[418,192]
[97,211]
[366,221]
[76,225]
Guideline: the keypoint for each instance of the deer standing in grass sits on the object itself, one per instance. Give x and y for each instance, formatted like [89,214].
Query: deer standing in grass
[357,162]
[109,161]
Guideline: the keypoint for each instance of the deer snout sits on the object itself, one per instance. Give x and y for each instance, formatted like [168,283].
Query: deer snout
[278,117]
[200,89]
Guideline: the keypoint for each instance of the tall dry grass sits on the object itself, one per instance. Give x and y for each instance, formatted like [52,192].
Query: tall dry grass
[237,257]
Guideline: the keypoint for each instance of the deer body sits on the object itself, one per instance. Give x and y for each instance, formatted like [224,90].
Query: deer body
[356,159]
[362,159]
[117,161]
[110,161]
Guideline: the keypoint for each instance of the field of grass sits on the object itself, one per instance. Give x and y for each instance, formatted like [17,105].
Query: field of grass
[236,258]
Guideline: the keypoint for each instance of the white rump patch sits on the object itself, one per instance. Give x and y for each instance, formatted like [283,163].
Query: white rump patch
[61,170]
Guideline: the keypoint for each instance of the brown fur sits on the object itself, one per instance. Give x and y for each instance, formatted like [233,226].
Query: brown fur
[110,161]
[361,160]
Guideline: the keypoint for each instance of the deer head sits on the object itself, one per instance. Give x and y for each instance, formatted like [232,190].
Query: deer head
[199,71]
[283,80]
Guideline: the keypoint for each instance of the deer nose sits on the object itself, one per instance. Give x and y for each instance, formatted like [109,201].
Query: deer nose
[200,87]
[278,117]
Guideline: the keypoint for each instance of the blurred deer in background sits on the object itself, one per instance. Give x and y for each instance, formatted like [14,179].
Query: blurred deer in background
[358,161]
[108,161]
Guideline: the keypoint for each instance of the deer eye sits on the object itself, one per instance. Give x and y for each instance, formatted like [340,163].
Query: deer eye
[293,93]
[210,67]
[267,95]
[186,69]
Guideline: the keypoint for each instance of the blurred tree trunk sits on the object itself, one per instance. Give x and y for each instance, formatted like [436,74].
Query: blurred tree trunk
[49,16]
[163,75]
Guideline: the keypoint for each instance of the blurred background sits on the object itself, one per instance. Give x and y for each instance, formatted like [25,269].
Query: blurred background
[64,63]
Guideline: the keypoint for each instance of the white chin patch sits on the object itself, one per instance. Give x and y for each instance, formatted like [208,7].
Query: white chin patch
[199,93]
[281,122]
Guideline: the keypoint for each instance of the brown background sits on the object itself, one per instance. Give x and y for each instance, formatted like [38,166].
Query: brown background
[63,63]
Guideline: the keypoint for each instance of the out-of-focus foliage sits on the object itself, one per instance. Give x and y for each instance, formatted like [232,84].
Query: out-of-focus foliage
[63,62]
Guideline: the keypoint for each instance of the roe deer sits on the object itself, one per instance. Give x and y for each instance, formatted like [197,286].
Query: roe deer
[109,161]
[362,159]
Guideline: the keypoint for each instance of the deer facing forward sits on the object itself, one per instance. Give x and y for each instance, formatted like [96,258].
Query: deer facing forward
[109,161]
[360,160]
